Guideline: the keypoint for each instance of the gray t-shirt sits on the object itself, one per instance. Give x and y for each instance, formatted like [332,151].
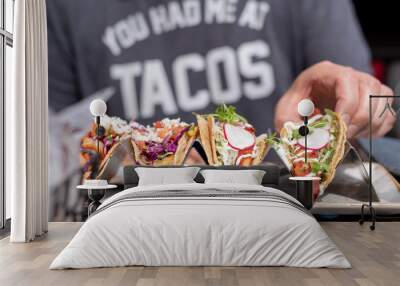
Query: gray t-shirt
[172,58]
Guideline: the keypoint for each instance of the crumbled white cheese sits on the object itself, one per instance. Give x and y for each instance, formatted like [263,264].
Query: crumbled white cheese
[146,136]
[149,133]
[169,123]
[117,124]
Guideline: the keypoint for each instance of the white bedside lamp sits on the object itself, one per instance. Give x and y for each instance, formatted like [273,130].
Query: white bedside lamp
[304,185]
[96,188]
[98,109]
[305,108]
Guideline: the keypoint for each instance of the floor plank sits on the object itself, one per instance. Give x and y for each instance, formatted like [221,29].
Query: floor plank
[375,257]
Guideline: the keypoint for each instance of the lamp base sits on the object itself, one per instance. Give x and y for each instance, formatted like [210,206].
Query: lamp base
[373,215]
[304,190]
[95,195]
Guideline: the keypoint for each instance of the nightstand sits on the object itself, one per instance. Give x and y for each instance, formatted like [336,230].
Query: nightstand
[95,194]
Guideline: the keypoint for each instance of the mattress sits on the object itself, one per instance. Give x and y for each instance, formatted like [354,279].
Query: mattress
[201,225]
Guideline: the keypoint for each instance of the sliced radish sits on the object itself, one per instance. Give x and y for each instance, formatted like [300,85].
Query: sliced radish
[316,140]
[238,137]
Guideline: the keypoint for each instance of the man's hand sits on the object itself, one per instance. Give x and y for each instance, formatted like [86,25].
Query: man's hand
[343,90]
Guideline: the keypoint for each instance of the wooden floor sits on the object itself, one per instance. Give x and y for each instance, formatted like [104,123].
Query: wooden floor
[375,257]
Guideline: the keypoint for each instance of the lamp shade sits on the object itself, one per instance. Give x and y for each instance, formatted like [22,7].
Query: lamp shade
[98,107]
[305,107]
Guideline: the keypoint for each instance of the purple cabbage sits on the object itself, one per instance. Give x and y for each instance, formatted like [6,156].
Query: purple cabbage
[108,143]
[155,150]
[172,148]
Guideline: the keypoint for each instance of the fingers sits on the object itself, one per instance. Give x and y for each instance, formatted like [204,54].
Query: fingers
[386,126]
[388,121]
[344,88]
[352,93]
[367,85]
[382,119]
[378,105]
[286,109]
[347,95]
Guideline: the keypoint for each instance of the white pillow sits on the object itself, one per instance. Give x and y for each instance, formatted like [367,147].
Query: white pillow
[166,176]
[247,177]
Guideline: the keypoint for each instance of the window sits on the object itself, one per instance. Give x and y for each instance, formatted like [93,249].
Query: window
[6,43]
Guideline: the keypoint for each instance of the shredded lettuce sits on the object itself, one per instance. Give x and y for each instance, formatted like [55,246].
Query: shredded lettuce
[330,112]
[160,157]
[317,167]
[295,134]
[227,113]
[272,139]
[319,123]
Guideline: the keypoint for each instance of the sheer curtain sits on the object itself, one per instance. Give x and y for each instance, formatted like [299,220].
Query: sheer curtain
[26,119]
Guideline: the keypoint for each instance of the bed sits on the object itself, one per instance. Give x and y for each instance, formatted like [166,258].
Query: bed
[201,224]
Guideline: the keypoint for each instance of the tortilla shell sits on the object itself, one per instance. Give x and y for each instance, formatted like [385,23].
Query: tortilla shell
[120,153]
[211,124]
[262,149]
[339,151]
[204,132]
[184,145]
[338,156]
[245,162]
[284,134]
[208,143]
[89,143]
[137,152]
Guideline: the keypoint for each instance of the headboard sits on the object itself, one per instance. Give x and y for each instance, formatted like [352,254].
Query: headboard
[270,179]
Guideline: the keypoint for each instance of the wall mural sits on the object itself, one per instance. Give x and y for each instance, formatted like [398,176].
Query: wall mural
[154,63]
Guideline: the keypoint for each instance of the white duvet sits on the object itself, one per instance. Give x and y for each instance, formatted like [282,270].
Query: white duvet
[188,231]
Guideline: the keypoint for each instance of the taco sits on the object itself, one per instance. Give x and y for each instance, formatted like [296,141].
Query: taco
[166,142]
[228,139]
[112,146]
[325,146]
